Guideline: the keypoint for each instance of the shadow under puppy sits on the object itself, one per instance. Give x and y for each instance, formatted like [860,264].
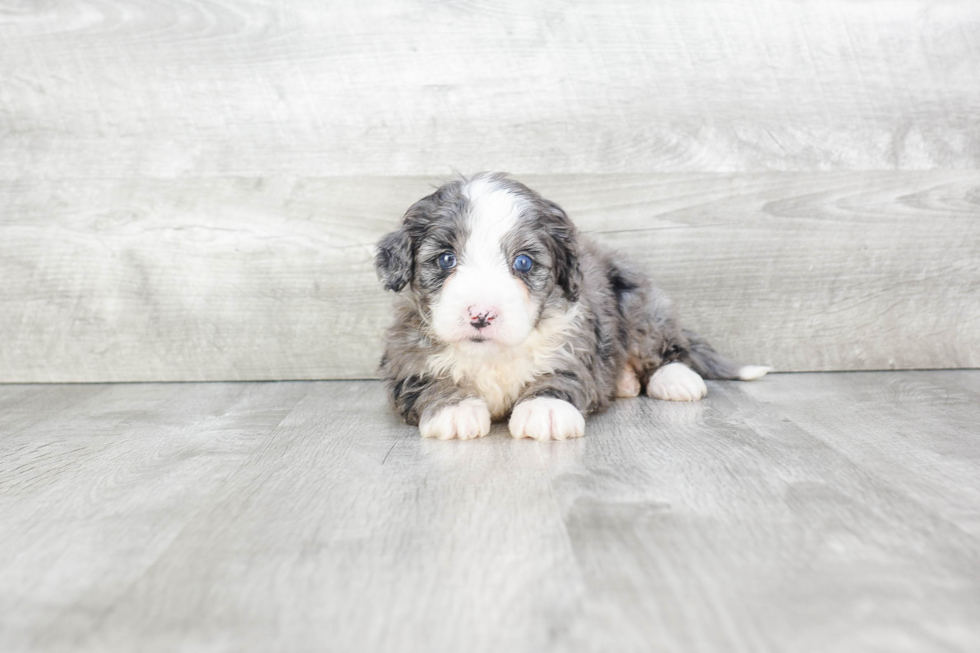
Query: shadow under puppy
[505,309]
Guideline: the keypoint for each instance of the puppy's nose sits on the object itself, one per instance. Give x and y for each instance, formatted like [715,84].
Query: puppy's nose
[481,316]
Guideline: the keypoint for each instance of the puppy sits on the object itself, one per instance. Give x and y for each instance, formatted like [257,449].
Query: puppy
[504,309]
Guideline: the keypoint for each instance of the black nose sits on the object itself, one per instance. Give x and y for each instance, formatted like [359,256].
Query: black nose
[480,321]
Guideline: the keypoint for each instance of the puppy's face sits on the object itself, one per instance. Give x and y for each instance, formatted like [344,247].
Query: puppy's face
[483,258]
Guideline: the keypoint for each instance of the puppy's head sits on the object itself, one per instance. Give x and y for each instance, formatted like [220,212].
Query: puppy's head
[483,257]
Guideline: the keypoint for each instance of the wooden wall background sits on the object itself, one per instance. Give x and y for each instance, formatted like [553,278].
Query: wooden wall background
[191,190]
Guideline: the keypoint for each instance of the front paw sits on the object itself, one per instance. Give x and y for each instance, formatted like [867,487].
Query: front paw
[627,385]
[676,382]
[466,420]
[546,418]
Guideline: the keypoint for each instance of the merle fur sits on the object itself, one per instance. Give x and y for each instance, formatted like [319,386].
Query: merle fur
[625,321]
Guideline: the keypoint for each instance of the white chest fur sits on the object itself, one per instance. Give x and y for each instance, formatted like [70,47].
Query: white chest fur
[500,374]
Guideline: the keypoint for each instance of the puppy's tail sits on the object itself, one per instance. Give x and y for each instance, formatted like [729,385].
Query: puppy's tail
[711,365]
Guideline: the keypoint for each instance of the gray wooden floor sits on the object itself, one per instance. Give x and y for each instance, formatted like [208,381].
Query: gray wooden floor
[809,512]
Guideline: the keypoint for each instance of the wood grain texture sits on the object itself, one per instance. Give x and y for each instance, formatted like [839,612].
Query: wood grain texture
[743,507]
[102,482]
[923,462]
[805,512]
[121,88]
[237,279]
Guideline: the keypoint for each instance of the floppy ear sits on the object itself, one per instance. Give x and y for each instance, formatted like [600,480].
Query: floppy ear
[568,274]
[394,260]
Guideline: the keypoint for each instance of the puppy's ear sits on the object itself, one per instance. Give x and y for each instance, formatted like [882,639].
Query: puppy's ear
[394,260]
[568,274]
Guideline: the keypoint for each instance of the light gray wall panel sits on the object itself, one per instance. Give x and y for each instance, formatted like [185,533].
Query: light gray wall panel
[190,190]
[186,88]
[109,280]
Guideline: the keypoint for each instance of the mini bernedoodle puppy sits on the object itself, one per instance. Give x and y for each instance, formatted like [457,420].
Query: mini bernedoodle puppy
[505,309]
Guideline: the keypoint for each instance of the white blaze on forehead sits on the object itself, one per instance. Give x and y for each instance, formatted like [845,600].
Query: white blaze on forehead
[494,212]
[482,278]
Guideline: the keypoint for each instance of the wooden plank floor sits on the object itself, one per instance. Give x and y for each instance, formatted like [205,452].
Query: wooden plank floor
[806,512]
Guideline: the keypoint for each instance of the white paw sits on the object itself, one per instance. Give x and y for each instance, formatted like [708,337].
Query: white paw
[466,420]
[676,382]
[753,372]
[546,418]
[627,385]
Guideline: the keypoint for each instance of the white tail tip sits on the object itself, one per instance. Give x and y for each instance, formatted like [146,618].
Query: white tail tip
[753,372]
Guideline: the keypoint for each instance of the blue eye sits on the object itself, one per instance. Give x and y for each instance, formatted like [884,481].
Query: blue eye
[447,260]
[523,263]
